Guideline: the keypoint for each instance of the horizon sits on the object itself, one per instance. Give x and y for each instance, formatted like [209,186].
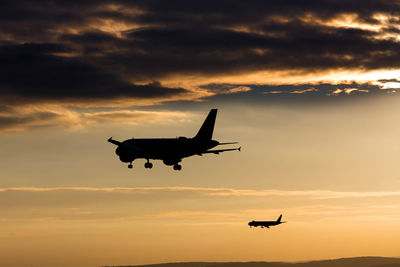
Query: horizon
[397,260]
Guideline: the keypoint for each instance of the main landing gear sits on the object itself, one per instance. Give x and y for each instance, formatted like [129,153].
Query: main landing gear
[130,165]
[177,167]
[148,165]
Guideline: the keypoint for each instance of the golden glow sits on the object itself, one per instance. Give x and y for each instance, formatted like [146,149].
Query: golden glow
[31,116]
[133,117]
[99,219]
[318,165]
[235,90]
[115,27]
[337,91]
[41,115]
[351,21]
[273,92]
[389,85]
[281,78]
[304,91]
[350,90]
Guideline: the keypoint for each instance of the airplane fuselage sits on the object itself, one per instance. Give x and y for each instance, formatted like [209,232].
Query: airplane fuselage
[263,223]
[170,150]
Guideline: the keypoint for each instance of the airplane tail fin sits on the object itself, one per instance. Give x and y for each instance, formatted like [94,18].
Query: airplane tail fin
[279,219]
[206,131]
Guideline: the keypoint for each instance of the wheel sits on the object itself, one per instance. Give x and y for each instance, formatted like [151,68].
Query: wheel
[177,167]
[148,165]
[130,166]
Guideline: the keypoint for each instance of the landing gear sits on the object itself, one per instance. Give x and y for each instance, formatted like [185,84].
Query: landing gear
[177,167]
[130,165]
[148,165]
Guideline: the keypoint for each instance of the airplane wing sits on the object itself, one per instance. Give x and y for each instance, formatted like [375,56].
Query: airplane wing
[217,151]
[229,143]
[128,146]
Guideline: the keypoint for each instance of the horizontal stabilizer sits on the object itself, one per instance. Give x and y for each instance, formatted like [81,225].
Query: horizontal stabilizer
[230,143]
[217,151]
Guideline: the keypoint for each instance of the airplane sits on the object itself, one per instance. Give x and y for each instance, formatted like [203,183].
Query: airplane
[266,223]
[171,150]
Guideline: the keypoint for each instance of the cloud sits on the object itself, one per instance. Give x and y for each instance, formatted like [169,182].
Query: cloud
[223,88]
[31,116]
[210,191]
[30,204]
[36,119]
[133,53]
[299,93]
[45,77]
[133,116]
[161,40]
[304,91]
[35,116]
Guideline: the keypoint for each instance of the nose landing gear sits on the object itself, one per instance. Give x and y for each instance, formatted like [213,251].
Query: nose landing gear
[130,165]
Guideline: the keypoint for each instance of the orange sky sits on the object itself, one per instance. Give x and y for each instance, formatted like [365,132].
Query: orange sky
[310,90]
[330,170]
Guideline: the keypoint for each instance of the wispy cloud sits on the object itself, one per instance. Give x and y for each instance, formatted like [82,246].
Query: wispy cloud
[133,116]
[38,116]
[211,191]
[188,205]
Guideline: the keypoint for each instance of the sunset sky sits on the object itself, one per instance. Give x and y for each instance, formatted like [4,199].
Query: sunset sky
[310,89]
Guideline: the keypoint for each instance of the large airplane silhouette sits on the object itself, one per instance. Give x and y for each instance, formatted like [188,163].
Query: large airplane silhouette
[266,223]
[171,150]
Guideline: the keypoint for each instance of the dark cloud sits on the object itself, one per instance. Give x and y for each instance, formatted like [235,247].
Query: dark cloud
[154,53]
[30,72]
[63,50]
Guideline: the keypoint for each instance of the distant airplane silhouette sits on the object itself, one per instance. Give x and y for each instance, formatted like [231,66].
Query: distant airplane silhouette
[266,223]
[171,150]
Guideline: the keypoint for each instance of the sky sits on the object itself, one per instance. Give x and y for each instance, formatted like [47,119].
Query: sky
[310,90]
